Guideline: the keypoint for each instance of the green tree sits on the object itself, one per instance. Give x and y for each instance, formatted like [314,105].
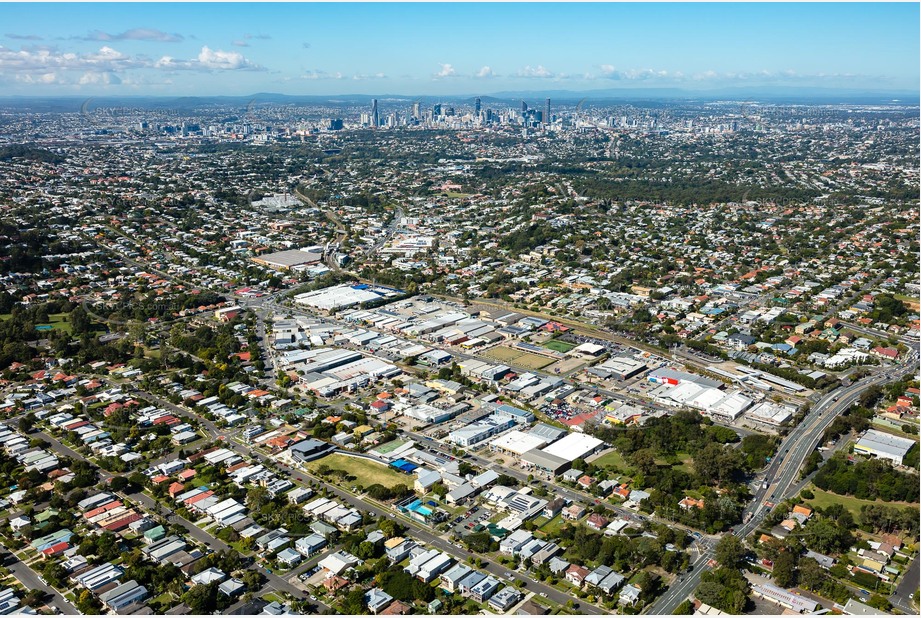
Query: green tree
[730,552]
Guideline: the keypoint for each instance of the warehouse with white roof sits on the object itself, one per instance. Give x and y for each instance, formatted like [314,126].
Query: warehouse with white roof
[574,446]
[882,445]
[517,442]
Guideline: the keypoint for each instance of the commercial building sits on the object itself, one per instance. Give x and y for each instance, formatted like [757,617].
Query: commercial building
[481,430]
[784,598]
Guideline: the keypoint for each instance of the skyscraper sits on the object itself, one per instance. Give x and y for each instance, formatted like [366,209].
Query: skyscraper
[436,109]
[375,116]
[524,107]
[416,111]
[476,106]
[547,113]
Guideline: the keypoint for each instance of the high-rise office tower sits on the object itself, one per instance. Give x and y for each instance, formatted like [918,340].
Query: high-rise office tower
[547,113]
[375,116]
[436,109]
[476,106]
[524,107]
[416,110]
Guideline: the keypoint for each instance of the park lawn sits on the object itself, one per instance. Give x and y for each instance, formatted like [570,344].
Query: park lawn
[456,194]
[824,499]
[559,346]
[366,472]
[614,460]
[683,463]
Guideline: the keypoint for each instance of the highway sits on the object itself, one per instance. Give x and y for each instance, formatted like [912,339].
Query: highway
[782,474]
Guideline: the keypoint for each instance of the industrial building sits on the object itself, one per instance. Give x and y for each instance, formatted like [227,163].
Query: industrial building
[882,445]
[342,296]
[574,446]
[619,367]
[284,260]
[770,413]
[517,443]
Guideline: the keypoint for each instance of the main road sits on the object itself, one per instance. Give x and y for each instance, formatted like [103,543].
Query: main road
[782,474]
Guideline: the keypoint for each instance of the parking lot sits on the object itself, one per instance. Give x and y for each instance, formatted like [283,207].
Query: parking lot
[467,521]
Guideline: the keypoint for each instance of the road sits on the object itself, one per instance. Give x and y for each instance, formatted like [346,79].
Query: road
[30,580]
[782,473]
[908,585]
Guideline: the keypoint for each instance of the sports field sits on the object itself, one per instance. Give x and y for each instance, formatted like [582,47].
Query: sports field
[559,346]
[518,358]
[366,472]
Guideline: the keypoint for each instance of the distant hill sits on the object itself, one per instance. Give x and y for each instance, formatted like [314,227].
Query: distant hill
[780,95]
[25,151]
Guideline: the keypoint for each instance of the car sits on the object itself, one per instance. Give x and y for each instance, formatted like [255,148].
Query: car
[507,574]
[543,594]
[313,598]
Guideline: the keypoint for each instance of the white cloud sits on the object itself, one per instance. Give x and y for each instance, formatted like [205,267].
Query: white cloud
[446,71]
[99,78]
[361,76]
[320,74]
[217,59]
[209,60]
[536,72]
[41,60]
[485,72]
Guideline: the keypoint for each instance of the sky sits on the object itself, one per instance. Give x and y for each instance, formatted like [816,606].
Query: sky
[452,49]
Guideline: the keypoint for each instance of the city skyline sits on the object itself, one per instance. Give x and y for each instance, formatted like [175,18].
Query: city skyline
[447,49]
